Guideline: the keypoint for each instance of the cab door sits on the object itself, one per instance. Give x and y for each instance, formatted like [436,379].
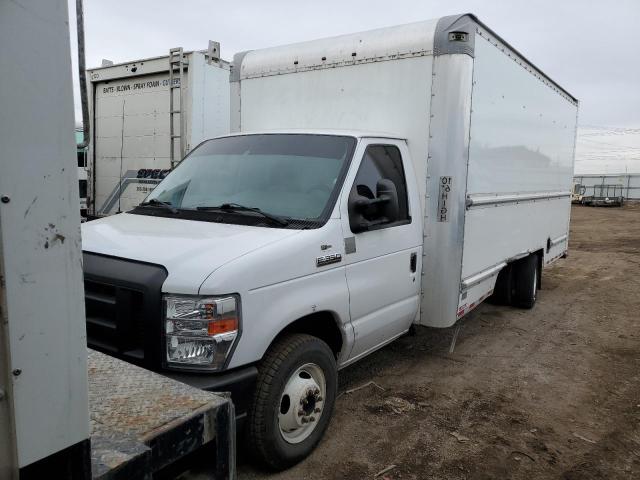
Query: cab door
[382,227]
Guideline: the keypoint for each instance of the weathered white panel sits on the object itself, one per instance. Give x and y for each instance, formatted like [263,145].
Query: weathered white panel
[110,127]
[132,132]
[210,101]
[132,125]
[448,150]
[131,119]
[141,146]
[391,42]
[40,234]
[135,68]
[522,131]
[135,125]
[495,234]
[522,143]
[391,97]
[110,167]
[107,147]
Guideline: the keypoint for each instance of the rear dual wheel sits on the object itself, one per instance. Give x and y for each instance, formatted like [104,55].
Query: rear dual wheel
[517,283]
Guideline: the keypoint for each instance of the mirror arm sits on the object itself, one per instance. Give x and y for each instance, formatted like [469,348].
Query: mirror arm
[363,227]
[379,221]
[382,199]
[368,202]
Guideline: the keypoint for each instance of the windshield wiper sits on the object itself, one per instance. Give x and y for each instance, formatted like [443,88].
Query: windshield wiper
[241,208]
[157,203]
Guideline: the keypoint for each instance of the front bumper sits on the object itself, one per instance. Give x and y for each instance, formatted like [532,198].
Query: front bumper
[240,382]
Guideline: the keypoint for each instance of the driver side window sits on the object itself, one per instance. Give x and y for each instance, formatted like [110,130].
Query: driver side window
[380,164]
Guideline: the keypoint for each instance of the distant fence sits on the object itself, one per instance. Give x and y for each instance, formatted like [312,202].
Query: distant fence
[629,182]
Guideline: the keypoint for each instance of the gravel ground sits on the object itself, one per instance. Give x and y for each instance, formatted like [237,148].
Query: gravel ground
[553,392]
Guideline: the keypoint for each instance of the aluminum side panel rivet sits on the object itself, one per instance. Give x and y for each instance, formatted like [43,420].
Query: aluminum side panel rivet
[5,199]
[16,372]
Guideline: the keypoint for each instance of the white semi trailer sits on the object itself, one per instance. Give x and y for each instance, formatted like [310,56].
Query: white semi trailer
[134,139]
[375,181]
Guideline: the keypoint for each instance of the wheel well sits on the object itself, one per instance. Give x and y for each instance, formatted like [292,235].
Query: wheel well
[322,325]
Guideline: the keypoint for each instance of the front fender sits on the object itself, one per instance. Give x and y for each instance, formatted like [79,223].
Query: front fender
[266,311]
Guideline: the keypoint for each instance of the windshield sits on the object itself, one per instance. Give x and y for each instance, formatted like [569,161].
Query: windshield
[289,175]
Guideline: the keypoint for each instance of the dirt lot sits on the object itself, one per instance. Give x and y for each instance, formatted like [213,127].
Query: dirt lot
[553,392]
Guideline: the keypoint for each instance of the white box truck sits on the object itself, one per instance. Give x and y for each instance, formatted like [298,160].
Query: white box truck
[135,141]
[375,181]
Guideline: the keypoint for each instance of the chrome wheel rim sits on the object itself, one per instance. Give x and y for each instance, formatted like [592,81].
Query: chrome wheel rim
[302,403]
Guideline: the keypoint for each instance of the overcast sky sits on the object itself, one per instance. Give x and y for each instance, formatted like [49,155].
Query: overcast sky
[588,47]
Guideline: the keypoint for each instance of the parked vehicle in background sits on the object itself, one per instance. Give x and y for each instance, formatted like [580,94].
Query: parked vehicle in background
[630,183]
[603,196]
[360,194]
[577,192]
[82,173]
[135,141]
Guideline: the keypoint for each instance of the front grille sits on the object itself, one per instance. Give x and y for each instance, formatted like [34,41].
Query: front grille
[114,318]
[123,308]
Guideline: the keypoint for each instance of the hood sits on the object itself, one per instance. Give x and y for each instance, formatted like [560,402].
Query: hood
[189,250]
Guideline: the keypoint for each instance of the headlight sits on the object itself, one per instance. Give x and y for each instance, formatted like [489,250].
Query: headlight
[200,331]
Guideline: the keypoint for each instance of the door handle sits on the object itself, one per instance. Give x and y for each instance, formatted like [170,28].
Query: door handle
[413,262]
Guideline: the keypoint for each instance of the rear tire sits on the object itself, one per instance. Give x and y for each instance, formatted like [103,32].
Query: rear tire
[525,282]
[502,291]
[297,382]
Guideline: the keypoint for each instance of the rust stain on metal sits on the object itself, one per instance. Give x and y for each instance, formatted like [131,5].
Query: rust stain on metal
[134,411]
[132,400]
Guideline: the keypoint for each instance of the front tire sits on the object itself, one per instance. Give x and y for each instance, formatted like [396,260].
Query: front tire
[293,401]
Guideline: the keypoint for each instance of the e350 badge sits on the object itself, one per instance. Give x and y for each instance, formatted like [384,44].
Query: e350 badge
[328,259]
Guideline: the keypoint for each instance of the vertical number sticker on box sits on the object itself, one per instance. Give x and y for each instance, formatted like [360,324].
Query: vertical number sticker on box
[443,199]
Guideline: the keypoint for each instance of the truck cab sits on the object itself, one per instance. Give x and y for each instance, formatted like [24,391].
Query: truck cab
[261,265]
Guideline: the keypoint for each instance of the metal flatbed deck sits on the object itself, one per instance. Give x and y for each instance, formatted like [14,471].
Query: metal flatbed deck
[142,422]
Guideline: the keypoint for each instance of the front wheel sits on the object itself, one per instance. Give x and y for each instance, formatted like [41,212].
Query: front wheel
[293,402]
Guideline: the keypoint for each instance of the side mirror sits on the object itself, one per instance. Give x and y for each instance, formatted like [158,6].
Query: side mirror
[365,212]
[387,194]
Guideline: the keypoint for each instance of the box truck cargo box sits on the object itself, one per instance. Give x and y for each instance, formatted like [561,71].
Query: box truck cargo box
[374,181]
[135,141]
[490,137]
